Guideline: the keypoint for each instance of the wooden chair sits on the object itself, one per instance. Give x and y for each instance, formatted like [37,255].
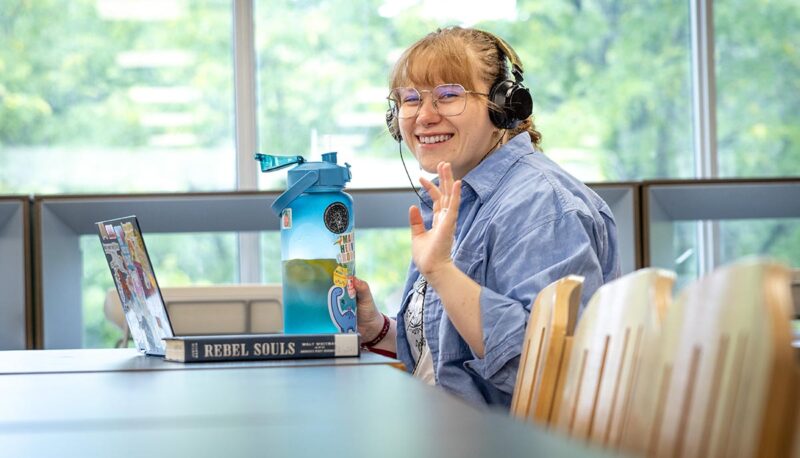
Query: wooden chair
[606,354]
[796,292]
[796,447]
[722,379]
[548,339]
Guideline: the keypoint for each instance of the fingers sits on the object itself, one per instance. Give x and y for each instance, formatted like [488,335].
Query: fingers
[455,199]
[440,195]
[363,293]
[445,171]
[415,221]
[361,286]
[367,311]
[433,191]
[449,190]
[446,196]
[430,187]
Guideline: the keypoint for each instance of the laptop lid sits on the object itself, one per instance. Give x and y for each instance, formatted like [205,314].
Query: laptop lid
[136,283]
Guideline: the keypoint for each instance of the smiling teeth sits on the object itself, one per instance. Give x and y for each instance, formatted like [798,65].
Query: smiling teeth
[434,139]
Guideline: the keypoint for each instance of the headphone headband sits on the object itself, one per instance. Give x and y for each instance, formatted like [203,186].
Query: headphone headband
[508,53]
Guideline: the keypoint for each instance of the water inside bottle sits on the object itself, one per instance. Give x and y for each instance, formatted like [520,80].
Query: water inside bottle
[306,283]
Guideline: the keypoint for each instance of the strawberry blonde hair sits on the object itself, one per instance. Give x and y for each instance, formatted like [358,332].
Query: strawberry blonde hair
[457,55]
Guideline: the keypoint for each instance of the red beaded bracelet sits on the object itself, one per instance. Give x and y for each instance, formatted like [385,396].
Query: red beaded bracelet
[380,336]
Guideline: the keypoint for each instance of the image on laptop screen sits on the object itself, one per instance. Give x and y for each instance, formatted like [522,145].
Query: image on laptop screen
[136,283]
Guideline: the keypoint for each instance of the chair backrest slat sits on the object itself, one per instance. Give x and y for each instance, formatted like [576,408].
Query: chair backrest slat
[724,367]
[545,348]
[606,353]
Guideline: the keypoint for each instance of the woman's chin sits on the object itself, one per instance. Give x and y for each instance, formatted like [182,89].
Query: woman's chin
[428,164]
[428,159]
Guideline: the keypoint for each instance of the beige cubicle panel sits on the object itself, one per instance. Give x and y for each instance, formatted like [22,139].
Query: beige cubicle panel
[225,309]
[624,200]
[212,309]
[710,202]
[16,318]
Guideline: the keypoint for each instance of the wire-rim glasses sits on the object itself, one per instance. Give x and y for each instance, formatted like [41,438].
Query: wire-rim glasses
[448,100]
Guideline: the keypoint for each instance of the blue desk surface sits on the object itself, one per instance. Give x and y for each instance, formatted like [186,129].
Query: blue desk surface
[129,359]
[311,410]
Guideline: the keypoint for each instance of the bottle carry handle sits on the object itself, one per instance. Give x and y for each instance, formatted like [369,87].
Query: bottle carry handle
[294,192]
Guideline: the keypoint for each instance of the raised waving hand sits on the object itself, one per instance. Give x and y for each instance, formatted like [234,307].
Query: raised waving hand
[431,249]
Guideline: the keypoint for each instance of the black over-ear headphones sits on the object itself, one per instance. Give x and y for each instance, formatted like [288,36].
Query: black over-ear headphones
[512,100]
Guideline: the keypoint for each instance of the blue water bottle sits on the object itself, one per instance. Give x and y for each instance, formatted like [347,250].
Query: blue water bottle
[317,246]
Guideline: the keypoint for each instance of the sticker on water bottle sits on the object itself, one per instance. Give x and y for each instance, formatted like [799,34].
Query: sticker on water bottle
[346,248]
[337,217]
[340,276]
[351,287]
[286,218]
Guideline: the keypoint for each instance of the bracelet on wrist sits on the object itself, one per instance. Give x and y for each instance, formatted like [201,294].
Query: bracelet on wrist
[380,336]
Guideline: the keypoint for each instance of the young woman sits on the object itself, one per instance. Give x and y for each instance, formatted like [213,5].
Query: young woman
[500,223]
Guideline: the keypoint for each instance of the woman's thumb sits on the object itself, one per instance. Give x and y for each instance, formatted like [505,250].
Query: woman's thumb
[363,293]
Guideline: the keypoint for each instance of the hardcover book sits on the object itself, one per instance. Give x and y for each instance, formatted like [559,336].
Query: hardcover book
[190,349]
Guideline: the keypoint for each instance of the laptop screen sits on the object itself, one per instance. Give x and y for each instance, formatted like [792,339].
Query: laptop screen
[136,284]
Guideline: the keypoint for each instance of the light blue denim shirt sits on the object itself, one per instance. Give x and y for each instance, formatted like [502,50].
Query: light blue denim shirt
[523,223]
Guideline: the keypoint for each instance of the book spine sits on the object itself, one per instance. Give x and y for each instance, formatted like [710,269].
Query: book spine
[243,348]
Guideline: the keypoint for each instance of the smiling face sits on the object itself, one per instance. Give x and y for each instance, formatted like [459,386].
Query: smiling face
[462,140]
[465,139]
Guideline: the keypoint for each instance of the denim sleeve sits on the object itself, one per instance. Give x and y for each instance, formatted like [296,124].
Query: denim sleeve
[515,273]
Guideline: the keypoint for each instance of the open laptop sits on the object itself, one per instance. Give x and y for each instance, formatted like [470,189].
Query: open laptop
[136,283]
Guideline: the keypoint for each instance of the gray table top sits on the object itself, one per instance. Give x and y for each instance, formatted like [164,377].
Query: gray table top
[312,410]
[130,359]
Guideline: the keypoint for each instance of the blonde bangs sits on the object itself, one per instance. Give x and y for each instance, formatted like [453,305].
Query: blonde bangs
[434,61]
[457,55]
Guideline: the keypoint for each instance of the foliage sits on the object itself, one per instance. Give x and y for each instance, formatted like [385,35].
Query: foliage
[758,89]
[62,81]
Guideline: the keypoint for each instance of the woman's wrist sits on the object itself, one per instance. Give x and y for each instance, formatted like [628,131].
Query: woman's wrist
[437,275]
[370,329]
[385,324]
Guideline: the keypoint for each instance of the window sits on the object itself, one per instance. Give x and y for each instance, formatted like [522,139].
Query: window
[116,96]
[757,70]
[778,238]
[322,76]
[610,83]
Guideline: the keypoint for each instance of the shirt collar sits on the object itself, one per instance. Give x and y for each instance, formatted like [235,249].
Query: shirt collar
[485,177]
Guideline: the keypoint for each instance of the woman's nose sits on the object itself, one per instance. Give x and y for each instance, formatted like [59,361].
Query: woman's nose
[427,112]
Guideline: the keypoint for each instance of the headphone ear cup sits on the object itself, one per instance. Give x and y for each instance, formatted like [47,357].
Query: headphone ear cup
[498,113]
[520,103]
[392,124]
[513,104]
